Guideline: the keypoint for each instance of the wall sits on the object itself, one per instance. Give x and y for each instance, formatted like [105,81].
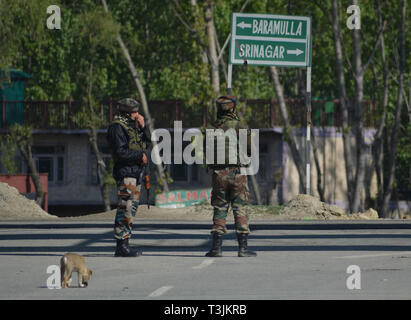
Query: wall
[77,187]
[277,177]
[332,164]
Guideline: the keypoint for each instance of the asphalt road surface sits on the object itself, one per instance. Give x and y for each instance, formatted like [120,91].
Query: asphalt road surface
[296,260]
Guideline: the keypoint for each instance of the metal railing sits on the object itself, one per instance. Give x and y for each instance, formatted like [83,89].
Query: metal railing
[258,113]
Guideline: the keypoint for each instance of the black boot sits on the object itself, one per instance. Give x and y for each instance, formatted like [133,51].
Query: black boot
[216,250]
[242,246]
[123,249]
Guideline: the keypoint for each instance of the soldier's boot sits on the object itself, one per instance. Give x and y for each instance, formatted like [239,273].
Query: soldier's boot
[216,249]
[123,249]
[242,246]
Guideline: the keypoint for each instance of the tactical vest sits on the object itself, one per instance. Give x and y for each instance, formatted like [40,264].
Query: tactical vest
[226,123]
[135,141]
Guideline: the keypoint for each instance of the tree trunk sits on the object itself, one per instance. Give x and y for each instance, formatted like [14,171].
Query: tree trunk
[148,119]
[289,137]
[101,168]
[378,143]
[211,46]
[93,140]
[359,121]
[397,119]
[320,183]
[25,149]
[343,101]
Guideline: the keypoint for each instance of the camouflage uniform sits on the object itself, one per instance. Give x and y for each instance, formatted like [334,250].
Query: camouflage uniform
[128,188]
[128,143]
[229,186]
[128,192]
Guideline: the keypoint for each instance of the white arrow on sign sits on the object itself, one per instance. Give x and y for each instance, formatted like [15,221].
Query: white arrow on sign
[243,25]
[297,52]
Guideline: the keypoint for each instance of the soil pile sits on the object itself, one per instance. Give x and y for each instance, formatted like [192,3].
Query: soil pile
[14,206]
[306,207]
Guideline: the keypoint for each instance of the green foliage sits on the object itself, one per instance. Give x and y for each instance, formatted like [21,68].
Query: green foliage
[108,178]
[160,182]
[7,154]
[21,135]
[82,60]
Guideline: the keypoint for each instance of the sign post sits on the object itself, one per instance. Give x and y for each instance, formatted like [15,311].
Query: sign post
[274,40]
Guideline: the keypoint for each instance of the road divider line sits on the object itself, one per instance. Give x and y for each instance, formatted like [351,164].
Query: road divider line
[204,264]
[160,291]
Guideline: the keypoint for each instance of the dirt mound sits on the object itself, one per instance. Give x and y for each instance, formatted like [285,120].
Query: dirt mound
[302,207]
[14,206]
[306,207]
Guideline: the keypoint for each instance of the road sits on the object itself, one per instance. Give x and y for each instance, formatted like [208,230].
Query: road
[296,260]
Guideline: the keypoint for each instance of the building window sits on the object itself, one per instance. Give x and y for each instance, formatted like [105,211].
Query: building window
[50,159]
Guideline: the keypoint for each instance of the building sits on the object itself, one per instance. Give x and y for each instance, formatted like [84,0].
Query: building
[61,148]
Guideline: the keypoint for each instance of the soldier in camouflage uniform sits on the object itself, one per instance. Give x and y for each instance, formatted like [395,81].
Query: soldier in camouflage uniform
[229,186]
[129,139]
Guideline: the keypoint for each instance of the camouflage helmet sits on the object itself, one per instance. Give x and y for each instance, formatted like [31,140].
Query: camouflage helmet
[128,105]
[226,103]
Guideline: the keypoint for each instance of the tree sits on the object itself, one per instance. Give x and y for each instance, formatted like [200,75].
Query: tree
[162,178]
[287,131]
[22,137]
[172,50]
[388,185]
[203,30]
[7,153]
[355,173]
[98,32]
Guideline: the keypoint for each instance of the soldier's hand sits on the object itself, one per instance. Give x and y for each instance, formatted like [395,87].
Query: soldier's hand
[140,121]
[144,158]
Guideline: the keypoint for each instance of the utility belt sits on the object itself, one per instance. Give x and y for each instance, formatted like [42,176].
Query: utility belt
[230,168]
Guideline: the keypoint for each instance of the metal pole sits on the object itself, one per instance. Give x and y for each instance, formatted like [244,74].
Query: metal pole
[308,141]
[230,75]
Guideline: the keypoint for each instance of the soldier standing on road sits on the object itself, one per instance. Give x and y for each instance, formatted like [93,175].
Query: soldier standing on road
[229,186]
[129,139]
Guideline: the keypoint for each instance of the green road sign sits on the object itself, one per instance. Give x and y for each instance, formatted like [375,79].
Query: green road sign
[273,40]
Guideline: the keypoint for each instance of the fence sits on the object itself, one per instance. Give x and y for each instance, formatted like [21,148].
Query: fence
[265,113]
[258,113]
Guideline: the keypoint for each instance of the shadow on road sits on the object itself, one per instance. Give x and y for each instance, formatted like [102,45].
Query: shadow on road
[159,238]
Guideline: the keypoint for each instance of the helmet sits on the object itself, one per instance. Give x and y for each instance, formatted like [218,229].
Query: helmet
[128,105]
[226,103]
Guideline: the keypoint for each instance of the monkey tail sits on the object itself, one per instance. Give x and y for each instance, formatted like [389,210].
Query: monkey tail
[63,262]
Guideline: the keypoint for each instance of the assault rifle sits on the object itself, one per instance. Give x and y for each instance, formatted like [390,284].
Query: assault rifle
[145,177]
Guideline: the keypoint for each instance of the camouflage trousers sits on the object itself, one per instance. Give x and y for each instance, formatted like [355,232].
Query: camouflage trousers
[229,187]
[128,199]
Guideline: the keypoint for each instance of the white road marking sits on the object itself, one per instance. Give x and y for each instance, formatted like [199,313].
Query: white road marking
[204,264]
[374,255]
[160,291]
